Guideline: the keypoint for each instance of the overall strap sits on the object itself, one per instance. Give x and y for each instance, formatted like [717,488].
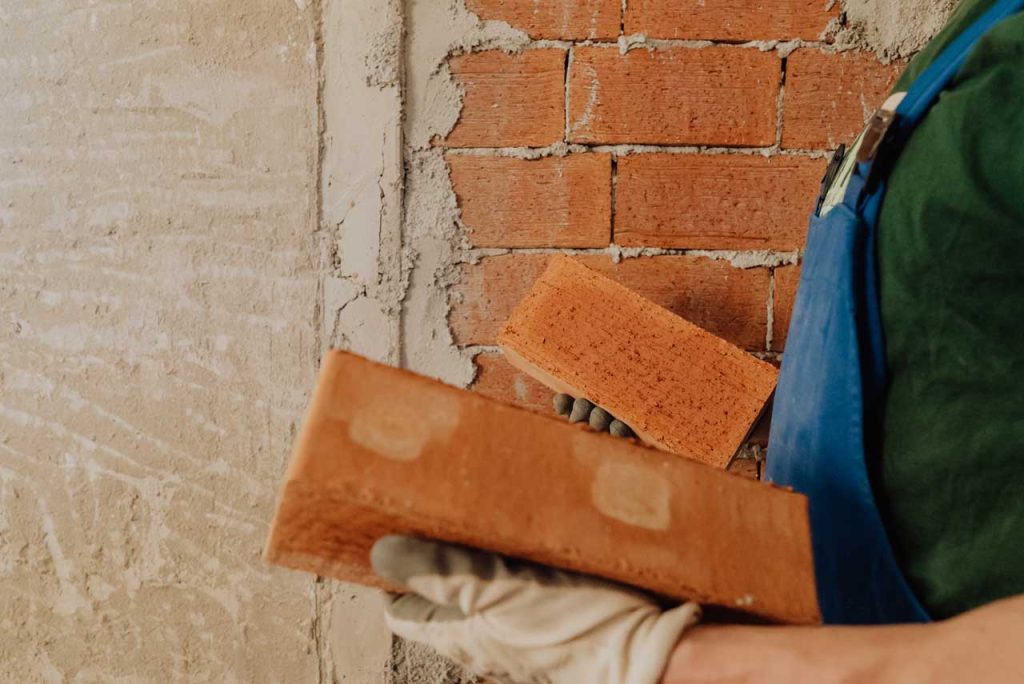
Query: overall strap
[920,97]
[925,90]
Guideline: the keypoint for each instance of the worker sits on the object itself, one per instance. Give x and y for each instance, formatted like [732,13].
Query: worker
[899,413]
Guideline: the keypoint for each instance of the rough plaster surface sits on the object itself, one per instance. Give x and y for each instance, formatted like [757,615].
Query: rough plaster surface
[431,236]
[359,243]
[893,29]
[361,176]
[157,337]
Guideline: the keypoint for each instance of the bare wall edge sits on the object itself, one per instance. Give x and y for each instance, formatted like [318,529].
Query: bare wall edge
[359,238]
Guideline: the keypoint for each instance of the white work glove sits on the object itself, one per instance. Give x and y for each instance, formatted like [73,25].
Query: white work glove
[516,622]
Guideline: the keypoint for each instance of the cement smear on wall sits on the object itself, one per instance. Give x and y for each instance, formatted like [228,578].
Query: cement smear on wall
[893,29]
[434,244]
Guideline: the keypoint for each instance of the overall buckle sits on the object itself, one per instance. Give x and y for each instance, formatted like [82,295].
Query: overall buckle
[875,133]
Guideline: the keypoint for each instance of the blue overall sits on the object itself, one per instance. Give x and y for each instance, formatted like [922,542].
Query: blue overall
[825,432]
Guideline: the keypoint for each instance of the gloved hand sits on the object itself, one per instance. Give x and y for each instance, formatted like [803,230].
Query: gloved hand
[581,410]
[513,621]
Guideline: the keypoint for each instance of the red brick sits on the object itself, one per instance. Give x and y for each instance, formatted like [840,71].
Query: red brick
[498,379]
[677,96]
[383,451]
[555,19]
[786,280]
[548,202]
[678,387]
[830,96]
[510,100]
[730,19]
[722,201]
[728,301]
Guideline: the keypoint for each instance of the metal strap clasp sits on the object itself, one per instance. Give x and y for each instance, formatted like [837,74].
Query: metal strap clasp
[875,133]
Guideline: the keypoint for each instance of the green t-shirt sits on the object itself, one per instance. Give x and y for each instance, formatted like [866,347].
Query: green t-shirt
[951,262]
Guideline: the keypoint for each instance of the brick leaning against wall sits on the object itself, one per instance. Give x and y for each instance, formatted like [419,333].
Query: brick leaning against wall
[706,139]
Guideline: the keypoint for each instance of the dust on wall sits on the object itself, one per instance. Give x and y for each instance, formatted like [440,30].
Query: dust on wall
[893,29]
[156,339]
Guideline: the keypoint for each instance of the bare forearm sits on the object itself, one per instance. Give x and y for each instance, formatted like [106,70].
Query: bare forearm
[982,646]
[716,654]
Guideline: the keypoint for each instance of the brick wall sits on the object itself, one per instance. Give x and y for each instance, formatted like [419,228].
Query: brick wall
[698,152]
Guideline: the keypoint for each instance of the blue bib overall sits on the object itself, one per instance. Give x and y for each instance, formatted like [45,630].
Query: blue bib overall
[828,405]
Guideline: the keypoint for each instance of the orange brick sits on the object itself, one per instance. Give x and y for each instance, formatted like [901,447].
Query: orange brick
[830,96]
[498,379]
[510,100]
[726,201]
[786,280]
[728,301]
[730,19]
[555,19]
[677,96]
[679,387]
[549,202]
[383,451]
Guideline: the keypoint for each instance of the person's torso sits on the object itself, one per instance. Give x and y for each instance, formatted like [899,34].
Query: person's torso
[951,273]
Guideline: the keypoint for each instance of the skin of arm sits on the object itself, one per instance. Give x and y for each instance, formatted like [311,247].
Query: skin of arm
[984,646]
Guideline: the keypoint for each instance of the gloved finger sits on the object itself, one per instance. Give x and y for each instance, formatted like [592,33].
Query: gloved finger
[452,575]
[400,559]
[620,429]
[563,404]
[444,628]
[413,608]
[581,409]
[600,419]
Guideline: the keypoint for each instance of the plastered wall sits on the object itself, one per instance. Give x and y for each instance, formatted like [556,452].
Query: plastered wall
[196,198]
[157,336]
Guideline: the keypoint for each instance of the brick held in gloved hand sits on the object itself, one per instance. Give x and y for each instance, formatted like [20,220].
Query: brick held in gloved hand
[677,386]
[384,451]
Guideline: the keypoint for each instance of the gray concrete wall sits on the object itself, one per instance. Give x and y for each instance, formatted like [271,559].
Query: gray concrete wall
[157,336]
